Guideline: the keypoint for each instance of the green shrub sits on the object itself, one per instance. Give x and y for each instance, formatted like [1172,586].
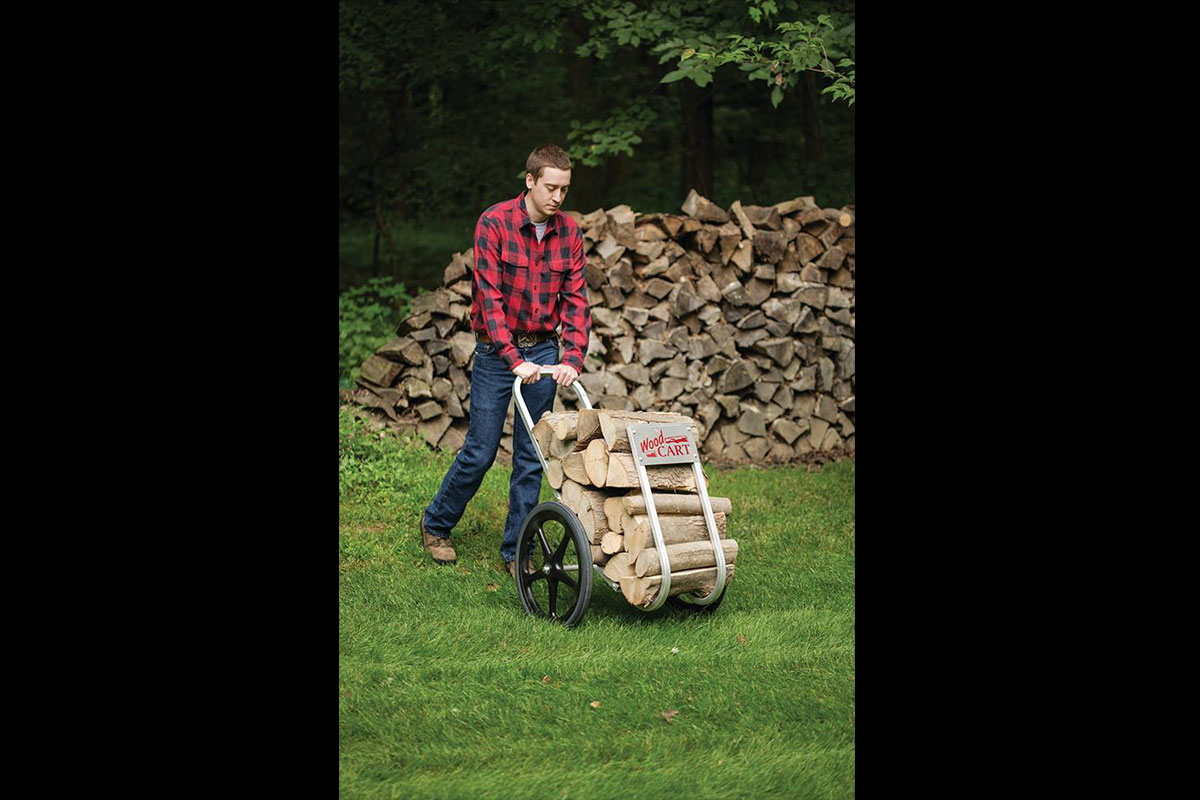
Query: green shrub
[367,319]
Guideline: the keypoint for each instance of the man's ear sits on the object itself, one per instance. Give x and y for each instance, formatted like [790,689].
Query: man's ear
[529,181]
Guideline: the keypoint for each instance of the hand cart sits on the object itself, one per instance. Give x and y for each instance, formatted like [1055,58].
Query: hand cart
[569,562]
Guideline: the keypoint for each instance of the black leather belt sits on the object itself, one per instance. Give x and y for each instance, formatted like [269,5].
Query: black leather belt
[520,339]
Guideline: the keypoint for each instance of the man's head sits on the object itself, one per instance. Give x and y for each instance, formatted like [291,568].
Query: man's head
[547,178]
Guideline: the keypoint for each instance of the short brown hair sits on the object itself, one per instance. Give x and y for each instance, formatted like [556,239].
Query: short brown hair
[548,155]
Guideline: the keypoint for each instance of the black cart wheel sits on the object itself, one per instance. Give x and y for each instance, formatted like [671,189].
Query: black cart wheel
[560,585]
[675,602]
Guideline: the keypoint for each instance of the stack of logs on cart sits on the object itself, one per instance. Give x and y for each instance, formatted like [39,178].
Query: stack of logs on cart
[741,319]
[590,461]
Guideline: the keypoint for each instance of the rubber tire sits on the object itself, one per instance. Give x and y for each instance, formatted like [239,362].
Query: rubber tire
[555,511]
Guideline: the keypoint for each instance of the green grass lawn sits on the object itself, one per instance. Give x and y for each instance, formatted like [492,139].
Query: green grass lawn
[448,689]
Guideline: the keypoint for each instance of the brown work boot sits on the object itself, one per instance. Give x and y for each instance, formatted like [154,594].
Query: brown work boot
[441,549]
[511,566]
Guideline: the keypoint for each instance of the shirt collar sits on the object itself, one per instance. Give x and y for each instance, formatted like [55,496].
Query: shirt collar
[521,216]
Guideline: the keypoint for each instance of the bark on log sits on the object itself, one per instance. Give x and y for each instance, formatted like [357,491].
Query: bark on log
[686,555]
[675,530]
[590,510]
[609,425]
[622,474]
[679,504]
[619,565]
[555,425]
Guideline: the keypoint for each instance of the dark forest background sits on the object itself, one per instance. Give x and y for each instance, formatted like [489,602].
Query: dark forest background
[441,102]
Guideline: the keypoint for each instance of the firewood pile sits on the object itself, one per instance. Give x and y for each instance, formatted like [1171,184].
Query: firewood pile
[595,473]
[741,319]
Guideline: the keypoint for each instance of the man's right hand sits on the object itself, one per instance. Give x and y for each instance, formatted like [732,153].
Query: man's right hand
[527,371]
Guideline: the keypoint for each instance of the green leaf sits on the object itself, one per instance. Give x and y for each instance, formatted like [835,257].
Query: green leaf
[776,96]
[846,62]
[703,78]
[673,76]
[688,53]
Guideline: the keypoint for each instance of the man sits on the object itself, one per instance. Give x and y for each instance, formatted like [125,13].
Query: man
[528,277]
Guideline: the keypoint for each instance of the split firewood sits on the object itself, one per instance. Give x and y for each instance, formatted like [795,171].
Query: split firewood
[571,493]
[735,341]
[595,462]
[599,557]
[675,529]
[573,468]
[642,591]
[590,510]
[686,555]
[561,447]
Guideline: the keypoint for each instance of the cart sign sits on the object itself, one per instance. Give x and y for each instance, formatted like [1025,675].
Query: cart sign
[655,444]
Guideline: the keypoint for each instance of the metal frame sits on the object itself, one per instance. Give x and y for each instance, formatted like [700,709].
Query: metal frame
[644,480]
[639,462]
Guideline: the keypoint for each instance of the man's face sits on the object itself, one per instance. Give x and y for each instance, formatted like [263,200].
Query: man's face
[546,195]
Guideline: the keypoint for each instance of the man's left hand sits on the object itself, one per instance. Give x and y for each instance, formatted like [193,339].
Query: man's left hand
[564,374]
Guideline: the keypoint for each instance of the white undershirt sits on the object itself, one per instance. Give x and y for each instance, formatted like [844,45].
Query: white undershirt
[540,227]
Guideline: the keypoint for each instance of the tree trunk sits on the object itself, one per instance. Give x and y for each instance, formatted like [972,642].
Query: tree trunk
[697,144]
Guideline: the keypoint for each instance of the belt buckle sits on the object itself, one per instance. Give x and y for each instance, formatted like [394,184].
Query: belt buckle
[526,339]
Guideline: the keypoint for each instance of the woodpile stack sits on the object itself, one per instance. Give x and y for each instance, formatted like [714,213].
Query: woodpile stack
[598,481]
[741,319]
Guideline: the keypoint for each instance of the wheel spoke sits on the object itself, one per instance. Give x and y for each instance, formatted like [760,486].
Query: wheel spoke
[545,544]
[536,576]
[570,582]
[562,547]
[553,597]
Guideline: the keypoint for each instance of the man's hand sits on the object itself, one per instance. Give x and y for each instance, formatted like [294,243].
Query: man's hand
[527,371]
[564,374]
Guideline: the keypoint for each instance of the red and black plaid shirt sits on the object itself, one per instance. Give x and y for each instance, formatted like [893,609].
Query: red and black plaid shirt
[522,285]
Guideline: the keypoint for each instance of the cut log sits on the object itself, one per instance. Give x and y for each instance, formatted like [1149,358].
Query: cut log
[622,474]
[675,529]
[555,425]
[613,509]
[642,591]
[612,542]
[686,555]
[554,472]
[635,504]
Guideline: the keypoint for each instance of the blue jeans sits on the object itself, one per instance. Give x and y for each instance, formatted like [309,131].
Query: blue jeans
[491,390]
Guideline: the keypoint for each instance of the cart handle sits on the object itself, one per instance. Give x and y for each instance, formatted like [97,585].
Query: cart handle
[528,420]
